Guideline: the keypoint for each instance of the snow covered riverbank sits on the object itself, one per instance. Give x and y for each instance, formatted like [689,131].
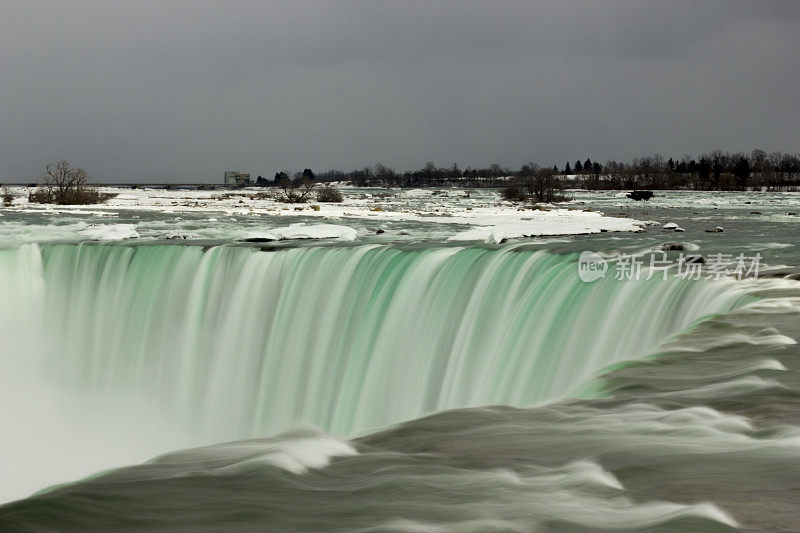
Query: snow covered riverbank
[476,215]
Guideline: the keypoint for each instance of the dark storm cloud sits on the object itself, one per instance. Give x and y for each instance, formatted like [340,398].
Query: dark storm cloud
[189,89]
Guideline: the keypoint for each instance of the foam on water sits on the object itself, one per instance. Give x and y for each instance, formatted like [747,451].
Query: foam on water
[295,451]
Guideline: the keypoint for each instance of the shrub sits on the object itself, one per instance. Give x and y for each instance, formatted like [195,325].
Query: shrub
[514,193]
[84,195]
[329,194]
[263,196]
[8,197]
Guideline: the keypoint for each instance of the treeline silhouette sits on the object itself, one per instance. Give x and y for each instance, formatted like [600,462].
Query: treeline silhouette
[717,170]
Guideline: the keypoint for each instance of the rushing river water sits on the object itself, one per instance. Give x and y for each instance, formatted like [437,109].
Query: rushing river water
[402,387]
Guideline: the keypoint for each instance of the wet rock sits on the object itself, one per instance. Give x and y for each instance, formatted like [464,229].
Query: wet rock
[672,247]
[694,259]
[378,232]
[718,229]
[670,225]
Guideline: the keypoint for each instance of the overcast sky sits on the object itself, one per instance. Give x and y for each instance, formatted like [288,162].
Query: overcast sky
[186,90]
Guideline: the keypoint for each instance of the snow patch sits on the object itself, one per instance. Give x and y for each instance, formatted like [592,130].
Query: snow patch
[110,232]
[316,231]
[558,222]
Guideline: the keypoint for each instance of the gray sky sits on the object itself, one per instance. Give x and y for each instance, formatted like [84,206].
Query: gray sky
[189,89]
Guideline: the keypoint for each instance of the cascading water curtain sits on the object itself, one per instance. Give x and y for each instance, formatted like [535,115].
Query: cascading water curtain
[234,342]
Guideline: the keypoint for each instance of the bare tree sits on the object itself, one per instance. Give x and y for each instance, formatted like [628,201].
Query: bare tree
[658,169]
[296,191]
[545,186]
[386,175]
[62,183]
[306,186]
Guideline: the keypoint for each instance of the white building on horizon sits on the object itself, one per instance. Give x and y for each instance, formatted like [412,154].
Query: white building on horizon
[237,178]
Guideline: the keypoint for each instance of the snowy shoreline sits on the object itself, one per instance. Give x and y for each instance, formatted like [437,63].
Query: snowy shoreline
[486,217]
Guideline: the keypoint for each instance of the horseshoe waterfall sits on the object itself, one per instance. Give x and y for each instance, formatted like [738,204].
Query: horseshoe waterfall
[233,342]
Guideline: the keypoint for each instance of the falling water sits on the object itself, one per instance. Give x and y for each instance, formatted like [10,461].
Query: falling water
[233,342]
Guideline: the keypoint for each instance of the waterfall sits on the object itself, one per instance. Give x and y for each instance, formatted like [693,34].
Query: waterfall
[234,342]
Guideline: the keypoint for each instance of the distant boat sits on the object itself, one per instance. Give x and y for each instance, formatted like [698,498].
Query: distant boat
[640,195]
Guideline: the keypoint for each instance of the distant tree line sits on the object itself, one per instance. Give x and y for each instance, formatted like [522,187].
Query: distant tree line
[717,170]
